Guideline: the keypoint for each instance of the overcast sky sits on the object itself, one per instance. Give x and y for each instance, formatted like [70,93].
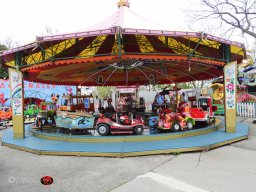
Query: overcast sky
[23,20]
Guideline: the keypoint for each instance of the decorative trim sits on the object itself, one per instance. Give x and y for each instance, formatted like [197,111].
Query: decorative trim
[173,58]
[67,62]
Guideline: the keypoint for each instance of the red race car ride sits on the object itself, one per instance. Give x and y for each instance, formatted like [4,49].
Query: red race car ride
[169,120]
[120,123]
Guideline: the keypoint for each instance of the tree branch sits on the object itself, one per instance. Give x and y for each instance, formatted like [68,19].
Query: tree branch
[237,14]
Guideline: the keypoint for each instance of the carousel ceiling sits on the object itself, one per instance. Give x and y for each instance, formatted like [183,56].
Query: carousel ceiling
[124,50]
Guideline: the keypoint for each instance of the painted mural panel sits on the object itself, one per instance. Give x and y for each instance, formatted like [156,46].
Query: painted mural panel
[35,90]
[230,85]
[16,82]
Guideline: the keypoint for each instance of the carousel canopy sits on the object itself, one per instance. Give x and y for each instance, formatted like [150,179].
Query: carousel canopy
[125,49]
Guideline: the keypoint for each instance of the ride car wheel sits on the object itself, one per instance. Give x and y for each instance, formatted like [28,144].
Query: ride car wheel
[189,125]
[103,129]
[214,120]
[208,121]
[39,123]
[175,126]
[138,130]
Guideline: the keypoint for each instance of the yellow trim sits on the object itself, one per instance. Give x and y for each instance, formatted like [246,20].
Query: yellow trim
[56,49]
[147,47]
[216,45]
[237,50]
[93,48]
[115,48]
[10,63]
[181,48]
[206,42]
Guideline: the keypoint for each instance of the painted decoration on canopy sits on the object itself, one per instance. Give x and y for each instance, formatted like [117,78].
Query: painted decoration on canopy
[16,91]
[230,85]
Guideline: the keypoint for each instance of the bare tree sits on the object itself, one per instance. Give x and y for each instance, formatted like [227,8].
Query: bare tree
[199,84]
[104,92]
[8,43]
[234,14]
[49,31]
[3,47]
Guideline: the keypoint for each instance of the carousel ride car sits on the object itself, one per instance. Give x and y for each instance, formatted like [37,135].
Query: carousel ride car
[46,114]
[77,103]
[75,122]
[202,112]
[31,111]
[120,124]
[5,116]
[76,112]
[168,120]
[182,114]
[5,113]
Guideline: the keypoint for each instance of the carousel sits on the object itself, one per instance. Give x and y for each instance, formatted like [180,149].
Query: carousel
[124,50]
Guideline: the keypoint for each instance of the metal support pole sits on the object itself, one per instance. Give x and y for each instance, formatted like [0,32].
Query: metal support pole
[119,42]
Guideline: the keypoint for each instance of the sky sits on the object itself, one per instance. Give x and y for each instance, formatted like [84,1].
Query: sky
[23,20]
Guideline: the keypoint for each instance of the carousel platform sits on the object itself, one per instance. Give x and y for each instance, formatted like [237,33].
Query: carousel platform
[202,139]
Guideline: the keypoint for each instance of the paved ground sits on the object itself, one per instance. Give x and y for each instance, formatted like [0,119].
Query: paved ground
[230,168]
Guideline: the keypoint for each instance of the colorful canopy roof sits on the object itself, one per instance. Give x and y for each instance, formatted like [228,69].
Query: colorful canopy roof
[125,49]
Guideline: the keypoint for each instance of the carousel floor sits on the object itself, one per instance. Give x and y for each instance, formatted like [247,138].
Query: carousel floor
[120,146]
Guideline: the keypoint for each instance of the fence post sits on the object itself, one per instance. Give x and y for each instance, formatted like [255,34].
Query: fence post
[243,109]
[251,107]
[248,109]
[239,109]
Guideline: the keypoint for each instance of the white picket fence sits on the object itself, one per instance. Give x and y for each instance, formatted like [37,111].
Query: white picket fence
[246,109]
